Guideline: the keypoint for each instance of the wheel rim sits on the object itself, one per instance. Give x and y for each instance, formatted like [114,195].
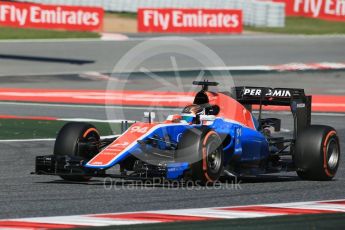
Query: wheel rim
[332,154]
[214,157]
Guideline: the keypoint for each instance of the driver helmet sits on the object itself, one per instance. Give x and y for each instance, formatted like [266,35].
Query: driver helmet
[191,113]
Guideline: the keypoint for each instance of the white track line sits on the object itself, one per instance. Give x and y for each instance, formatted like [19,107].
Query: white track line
[313,206]
[27,140]
[213,213]
[86,106]
[94,120]
[85,221]
[44,139]
[286,67]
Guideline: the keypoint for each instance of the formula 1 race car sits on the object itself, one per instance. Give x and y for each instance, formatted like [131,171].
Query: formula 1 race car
[217,136]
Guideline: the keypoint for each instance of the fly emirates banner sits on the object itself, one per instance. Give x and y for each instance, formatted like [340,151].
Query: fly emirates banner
[323,9]
[28,15]
[190,20]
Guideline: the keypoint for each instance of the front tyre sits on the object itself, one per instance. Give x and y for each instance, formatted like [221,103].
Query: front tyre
[202,149]
[317,153]
[67,144]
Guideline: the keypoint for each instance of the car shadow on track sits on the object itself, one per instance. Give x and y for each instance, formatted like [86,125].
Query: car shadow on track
[268,179]
[168,184]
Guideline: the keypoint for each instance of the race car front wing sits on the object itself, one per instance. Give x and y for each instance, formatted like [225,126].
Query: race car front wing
[65,165]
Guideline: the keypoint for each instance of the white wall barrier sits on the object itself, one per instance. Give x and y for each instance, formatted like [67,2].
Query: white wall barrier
[256,13]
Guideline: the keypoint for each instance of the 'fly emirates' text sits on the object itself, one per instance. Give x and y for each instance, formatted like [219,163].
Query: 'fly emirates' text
[35,14]
[179,19]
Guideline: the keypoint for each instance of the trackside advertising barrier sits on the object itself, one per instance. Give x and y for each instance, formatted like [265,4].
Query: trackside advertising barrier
[190,20]
[27,15]
[323,9]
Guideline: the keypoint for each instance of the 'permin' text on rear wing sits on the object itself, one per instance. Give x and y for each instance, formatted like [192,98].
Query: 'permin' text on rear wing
[267,92]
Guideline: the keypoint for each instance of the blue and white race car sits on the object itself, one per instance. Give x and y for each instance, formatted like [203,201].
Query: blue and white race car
[216,136]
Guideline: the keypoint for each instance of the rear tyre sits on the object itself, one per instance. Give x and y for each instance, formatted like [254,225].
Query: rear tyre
[317,153]
[202,149]
[67,143]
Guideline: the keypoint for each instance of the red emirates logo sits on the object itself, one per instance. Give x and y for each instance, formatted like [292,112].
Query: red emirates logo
[190,20]
[51,17]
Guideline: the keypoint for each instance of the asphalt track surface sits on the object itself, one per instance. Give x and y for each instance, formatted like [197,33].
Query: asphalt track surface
[25,195]
[55,57]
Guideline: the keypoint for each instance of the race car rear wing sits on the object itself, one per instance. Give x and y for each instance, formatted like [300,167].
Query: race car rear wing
[299,103]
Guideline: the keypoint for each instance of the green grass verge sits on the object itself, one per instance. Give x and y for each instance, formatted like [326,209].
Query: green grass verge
[123,15]
[319,221]
[36,129]
[19,33]
[301,25]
